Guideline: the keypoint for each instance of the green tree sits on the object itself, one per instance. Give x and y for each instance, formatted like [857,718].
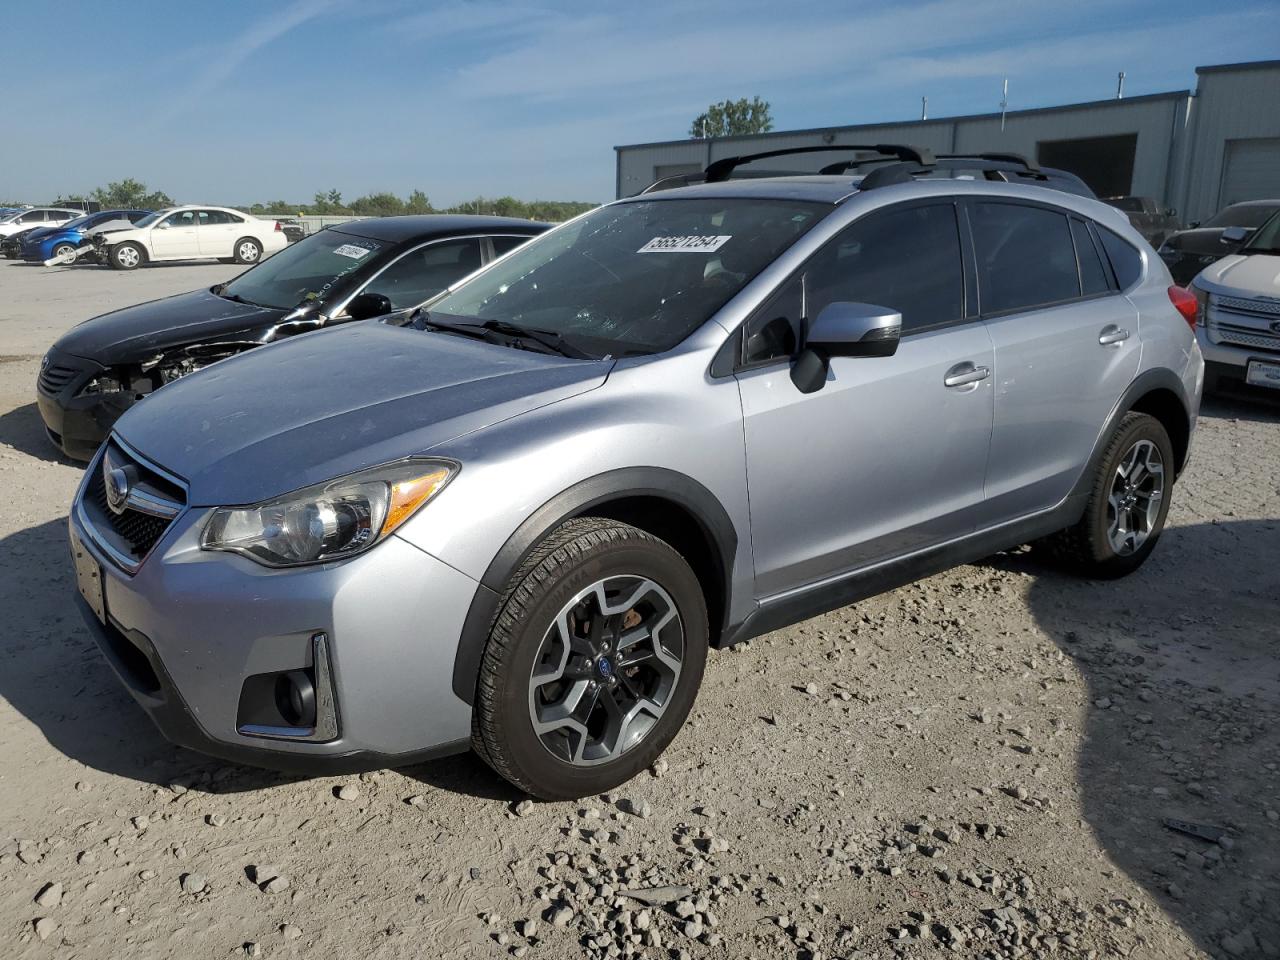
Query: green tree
[732,118]
[377,205]
[417,203]
[130,194]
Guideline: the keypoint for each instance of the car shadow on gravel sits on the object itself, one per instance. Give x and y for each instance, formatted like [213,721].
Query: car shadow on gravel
[52,673]
[23,430]
[1182,722]
[1256,405]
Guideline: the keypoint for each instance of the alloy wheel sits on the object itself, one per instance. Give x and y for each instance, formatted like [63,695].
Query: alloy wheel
[1133,505]
[248,252]
[606,670]
[128,256]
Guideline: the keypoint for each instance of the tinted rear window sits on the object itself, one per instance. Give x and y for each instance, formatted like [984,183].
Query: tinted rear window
[1025,257]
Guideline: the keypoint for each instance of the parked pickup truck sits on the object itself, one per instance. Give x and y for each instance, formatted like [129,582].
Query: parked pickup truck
[1147,217]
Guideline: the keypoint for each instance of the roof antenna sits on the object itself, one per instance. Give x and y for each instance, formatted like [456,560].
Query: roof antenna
[1004,102]
[924,108]
[1120,86]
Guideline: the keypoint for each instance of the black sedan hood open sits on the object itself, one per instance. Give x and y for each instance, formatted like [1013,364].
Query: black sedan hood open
[136,333]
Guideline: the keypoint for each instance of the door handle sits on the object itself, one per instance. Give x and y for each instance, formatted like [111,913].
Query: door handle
[1111,334]
[965,373]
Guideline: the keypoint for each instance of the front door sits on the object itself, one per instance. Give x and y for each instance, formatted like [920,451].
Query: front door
[889,455]
[175,236]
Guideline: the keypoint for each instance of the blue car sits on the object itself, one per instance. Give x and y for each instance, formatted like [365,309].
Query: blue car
[47,242]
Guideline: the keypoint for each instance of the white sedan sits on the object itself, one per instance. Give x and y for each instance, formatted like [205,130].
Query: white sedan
[192,233]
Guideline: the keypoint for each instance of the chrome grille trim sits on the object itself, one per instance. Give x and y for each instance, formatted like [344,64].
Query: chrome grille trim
[1248,305]
[128,538]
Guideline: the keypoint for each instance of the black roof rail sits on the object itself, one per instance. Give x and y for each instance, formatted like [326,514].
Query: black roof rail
[890,174]
[997,157]
[721,170]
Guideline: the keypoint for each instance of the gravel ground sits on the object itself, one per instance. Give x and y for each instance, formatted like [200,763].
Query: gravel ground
[979,764]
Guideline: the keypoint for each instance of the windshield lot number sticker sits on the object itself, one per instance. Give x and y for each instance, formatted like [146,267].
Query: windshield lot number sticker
[692,244]
[352,251]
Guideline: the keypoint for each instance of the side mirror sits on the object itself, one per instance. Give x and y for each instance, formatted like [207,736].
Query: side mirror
[368,305]
[845,329]
[1234,235]
[1193,224]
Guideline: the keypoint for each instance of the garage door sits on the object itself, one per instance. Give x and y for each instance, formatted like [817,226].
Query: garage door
[1251,171]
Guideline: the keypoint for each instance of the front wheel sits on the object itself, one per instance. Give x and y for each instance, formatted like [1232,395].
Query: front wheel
[65,250]
[126,256]
[1128,502]
[593,661]
[248,250]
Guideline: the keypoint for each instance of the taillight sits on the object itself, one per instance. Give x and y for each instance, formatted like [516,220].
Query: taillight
[1185,302]
[279,229]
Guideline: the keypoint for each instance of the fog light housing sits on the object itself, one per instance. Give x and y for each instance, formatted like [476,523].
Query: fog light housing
[296,698]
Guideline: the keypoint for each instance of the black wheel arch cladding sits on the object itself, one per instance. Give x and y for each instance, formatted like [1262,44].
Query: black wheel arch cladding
[665,503]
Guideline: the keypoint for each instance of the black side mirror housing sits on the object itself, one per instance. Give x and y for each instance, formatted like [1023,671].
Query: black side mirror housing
[844,329]
[1234,235]
[368,305]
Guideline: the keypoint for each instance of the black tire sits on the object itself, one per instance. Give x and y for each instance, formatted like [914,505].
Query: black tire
[121,250]
[241,245]
[578,554]
[1086,548]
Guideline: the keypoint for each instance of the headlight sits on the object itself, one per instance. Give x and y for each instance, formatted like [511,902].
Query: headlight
[102,384]
[328,521]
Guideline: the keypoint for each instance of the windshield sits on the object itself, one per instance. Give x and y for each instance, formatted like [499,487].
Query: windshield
[78,222]
[10,217]
[1266,239]
[634,277]
[151,218]
[1242,215]
[304,271]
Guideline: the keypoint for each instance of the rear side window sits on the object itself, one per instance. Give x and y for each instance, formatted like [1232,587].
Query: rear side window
[1126,261]
[1093,276]
[1026,257]
[906,258]
[424,272]
[503,245]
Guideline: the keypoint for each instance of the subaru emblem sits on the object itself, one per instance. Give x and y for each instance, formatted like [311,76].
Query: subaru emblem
[117,484]
[44,362]
[1275,326]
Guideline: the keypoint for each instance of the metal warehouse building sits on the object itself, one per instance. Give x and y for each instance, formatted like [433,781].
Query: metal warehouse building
[1195,152]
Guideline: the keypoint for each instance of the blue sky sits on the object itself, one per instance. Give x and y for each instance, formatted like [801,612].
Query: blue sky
[244,101]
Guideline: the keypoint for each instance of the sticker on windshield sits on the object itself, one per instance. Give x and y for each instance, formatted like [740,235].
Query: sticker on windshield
[352,251]
[690,244]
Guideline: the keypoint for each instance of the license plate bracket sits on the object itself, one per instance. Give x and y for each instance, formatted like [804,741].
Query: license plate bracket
[89,579]
[1261,373]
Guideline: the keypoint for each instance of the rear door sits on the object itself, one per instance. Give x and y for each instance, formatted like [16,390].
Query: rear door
[216,233]
[175,236]
[889,455]
[1066,348]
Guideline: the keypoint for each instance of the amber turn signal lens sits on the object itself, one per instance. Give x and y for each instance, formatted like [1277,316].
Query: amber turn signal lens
[408,495]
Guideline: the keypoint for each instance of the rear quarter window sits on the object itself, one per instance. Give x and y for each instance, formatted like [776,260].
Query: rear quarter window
[1126,261]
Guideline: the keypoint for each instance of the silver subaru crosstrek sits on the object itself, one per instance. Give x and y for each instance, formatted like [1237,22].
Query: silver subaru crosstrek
[517,518]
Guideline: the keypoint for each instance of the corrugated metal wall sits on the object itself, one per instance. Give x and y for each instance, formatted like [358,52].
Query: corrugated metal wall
[1239,103]
[1176,161]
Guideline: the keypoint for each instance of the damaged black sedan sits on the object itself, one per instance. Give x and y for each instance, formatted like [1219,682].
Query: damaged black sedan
[353,271]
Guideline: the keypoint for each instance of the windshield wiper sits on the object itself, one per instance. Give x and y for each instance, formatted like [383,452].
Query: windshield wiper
[548,340]
[236,298]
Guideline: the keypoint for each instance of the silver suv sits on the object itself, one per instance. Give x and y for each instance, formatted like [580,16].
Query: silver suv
[516,519]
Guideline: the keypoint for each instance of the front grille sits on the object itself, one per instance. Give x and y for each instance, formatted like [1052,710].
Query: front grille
[54,377]
[155,501]
[1248,305]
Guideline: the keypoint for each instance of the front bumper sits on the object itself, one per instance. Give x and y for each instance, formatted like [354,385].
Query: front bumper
[190,627]
[76,424]
[1227,365]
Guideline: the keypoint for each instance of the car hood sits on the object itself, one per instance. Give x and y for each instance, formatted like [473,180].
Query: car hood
[1201,240]
[43,233]
[1243,276]
[139,332]
[328,403]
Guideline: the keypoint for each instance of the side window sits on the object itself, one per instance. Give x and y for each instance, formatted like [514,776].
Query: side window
[503,245]
[232,218]
[1025,257]
[35,216]
[906,258]
[1093,276]
[424,272]
[183,218]
[213,218]
[133,216]
[1125,260]
[773,331]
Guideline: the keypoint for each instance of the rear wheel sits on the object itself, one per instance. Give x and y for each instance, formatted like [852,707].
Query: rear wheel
[1128,502]
[248,250]
[593,662]
[127,256]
